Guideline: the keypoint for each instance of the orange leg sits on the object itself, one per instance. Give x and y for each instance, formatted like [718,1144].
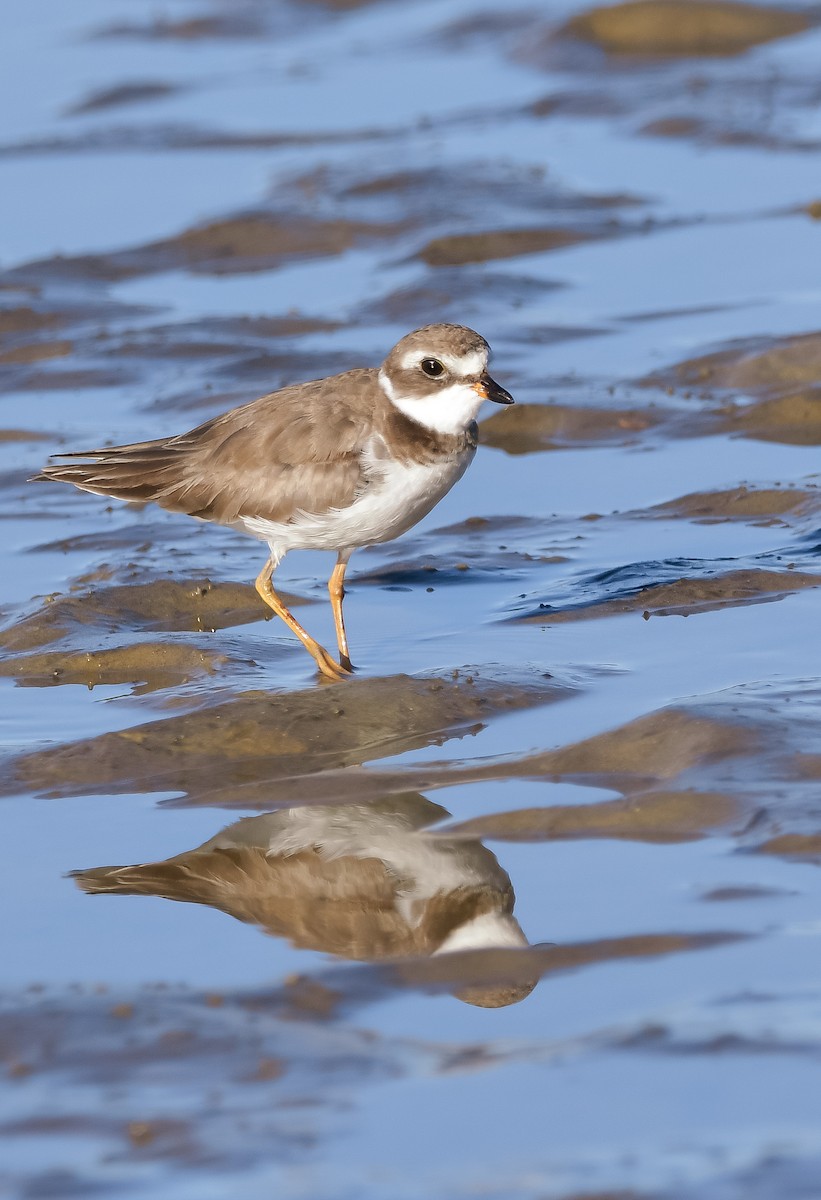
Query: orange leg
[323,660]
[336,588]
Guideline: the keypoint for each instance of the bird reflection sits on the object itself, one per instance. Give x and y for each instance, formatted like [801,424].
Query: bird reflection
[361,881]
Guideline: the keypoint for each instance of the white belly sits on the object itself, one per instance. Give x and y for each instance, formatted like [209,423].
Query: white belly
[390,505]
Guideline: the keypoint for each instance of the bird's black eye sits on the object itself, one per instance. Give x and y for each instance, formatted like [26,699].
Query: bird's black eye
[432,367]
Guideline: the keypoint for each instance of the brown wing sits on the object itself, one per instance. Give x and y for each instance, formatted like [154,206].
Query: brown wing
[296,449]
[345,906]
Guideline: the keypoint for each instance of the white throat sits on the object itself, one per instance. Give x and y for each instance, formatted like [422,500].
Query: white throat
[490,930]
[450,410]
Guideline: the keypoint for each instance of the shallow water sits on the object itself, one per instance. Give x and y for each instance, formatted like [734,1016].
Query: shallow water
[589,676]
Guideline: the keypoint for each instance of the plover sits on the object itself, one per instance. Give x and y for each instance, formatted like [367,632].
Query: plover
[332,464]
[360,881]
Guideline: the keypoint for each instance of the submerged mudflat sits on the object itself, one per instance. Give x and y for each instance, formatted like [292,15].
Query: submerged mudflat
[586,714]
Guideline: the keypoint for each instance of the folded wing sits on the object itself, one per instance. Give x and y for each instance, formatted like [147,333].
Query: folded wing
[296,450]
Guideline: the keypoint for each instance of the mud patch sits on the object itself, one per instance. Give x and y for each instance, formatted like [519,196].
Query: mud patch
[794,420]
[458,249]
[762,506]
[695,398]
[196,605]
[528,428]
[683,28]
[26,320]
[681,597]
[72,381]
[256,241]
[189,29]
[724,763]
[149,666]
[761,365]
[655,817]
[662,746]
[121,95]
[733,763]
[681,759]
[801,847]
[733,893]
[36,352]
[25,435]
[240,747]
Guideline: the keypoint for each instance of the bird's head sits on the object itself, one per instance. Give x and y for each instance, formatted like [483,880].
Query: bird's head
[438,377]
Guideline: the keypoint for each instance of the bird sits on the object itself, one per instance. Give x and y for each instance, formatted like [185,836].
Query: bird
[350,460]
[362,881]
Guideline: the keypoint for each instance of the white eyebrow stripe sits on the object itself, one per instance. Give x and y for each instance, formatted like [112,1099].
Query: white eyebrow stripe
[464,364]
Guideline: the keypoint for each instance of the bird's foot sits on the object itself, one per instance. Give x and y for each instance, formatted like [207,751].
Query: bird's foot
[330,668]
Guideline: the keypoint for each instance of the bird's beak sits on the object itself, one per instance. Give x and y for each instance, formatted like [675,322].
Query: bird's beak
[489,389]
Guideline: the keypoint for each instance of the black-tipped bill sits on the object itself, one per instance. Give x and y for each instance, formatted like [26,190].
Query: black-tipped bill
[489,389]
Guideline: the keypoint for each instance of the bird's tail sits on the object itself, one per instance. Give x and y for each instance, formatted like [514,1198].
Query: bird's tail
[173,880]
[139,472]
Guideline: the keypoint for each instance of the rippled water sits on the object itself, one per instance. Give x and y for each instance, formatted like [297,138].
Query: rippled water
[589,677]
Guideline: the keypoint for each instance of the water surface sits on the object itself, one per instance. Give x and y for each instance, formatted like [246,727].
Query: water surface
[588,697]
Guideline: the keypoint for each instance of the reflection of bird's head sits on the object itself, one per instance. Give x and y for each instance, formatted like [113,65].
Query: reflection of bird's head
[359,881]
[498,996]
[490,981]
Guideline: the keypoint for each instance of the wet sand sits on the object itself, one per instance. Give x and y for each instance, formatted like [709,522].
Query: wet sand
[586,711]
